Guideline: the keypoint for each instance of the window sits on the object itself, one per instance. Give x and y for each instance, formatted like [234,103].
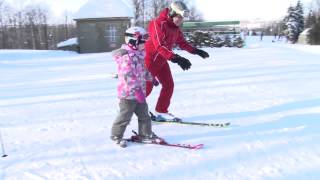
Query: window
[112,33]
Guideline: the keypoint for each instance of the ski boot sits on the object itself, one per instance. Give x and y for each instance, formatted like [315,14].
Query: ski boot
[119,141]
[166,117]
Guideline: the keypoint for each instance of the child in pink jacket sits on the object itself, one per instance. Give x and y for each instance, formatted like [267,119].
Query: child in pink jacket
[132,76]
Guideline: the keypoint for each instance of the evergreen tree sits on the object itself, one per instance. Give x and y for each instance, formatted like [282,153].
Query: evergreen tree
[314,33]
[294,22]
[311,19]
[300,16]
[291,25]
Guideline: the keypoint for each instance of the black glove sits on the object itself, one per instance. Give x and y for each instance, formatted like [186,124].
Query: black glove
[201,53]
[155,82]
[184,63]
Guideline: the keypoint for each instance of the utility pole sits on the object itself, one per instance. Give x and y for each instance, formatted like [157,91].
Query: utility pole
[2,146]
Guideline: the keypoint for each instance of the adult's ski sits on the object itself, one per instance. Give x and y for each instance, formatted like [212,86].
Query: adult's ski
[180,121]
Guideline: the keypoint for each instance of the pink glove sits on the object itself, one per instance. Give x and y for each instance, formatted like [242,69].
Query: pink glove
[141,98]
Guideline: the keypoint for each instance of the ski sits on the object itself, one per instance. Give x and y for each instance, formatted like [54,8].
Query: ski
[180,121]
[162,142]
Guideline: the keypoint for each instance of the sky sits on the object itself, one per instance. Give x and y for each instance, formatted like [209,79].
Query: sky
[211,9]
[246,9]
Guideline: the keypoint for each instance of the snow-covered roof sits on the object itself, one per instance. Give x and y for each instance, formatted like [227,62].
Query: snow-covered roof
[105,9]
[68,42]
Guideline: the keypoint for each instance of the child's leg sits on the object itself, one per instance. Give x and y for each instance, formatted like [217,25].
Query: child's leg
[127,107]
[144,119]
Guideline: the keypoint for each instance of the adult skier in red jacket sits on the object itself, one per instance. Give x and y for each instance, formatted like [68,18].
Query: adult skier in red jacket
[165,32]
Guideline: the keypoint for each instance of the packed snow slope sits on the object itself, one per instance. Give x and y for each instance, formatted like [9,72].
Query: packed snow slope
[57,108]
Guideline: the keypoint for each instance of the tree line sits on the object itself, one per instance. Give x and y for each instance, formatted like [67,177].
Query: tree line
[28,28]
[145,10]
[295,22]
[313,22]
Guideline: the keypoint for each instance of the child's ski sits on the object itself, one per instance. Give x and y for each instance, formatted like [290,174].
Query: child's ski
[161,141]
[180,121]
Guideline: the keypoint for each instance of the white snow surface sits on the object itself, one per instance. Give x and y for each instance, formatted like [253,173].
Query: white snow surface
[104,9]
[57,108]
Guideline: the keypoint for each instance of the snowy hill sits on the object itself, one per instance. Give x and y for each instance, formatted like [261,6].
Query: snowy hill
[57,108]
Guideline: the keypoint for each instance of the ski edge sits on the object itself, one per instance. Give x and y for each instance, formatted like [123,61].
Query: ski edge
[180,121]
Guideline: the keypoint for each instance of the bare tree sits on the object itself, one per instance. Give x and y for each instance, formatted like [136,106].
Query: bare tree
[1,24]
[28,28]
[45,30]
[318,6]
[139,7]
[42,27]
[158,6]
[315,7]
[36,26]
[145,10]
[195,15]
[4,11]
[31,27]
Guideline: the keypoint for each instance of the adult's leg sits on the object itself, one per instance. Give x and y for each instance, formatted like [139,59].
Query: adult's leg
[165,78]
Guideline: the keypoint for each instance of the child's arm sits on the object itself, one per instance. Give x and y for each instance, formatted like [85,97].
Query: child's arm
[149,76]
[127,70]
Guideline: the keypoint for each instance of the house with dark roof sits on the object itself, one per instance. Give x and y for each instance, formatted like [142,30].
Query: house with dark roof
[101,25]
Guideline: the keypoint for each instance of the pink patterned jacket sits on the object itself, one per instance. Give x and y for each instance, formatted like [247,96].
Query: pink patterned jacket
[132,73]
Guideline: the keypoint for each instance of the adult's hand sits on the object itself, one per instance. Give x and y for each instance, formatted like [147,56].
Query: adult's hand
[184,63]
[201,53]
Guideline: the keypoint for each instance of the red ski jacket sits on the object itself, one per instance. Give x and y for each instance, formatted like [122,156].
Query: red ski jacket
[163,35]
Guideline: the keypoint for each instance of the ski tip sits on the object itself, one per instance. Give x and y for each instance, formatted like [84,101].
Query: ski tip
[4,155]
[226,124]
[199,146]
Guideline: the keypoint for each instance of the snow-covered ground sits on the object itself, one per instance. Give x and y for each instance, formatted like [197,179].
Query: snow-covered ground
[57,108]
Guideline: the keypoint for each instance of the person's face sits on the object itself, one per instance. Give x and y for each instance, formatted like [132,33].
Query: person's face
[177,20]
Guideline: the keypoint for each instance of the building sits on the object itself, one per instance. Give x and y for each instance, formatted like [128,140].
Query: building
[101,25]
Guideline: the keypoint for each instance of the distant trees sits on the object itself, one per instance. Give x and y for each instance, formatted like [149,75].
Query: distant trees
[311,19]
[313,22]
[28,28]
[294,22]
[145,10]
[139,7]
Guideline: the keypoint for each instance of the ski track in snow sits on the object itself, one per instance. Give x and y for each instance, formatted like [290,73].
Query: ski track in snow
[57,108]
